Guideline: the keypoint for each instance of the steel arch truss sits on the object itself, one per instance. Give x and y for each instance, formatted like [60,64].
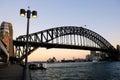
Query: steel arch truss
[66,35]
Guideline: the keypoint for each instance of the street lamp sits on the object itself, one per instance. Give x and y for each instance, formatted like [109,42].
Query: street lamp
[28,14]
[22,13]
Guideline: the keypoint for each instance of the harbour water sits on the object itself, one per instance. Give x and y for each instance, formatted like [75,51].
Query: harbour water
[79,71]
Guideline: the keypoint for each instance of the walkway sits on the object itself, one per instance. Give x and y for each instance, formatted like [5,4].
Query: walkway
[11,72]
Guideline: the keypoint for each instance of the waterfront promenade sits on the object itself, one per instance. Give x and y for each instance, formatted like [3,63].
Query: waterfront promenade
[11,72]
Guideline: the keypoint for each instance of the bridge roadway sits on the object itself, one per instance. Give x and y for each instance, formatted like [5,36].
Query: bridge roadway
[53,45]
[34,45]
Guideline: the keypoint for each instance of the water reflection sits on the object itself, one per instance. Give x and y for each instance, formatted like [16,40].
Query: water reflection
[79,71]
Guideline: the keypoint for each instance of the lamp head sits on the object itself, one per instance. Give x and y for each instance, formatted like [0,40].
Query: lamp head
[34,14]
[22,12]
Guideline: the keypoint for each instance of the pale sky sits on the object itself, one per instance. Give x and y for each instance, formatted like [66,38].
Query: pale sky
[101,16]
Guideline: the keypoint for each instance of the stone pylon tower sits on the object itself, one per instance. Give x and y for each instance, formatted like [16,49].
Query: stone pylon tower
[6,35]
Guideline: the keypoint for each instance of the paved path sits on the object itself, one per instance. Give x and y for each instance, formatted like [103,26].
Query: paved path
[11,72]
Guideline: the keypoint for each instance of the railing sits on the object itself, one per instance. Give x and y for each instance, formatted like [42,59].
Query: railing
[5,54]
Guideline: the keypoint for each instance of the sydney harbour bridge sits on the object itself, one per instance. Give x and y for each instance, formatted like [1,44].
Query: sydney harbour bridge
[65,37]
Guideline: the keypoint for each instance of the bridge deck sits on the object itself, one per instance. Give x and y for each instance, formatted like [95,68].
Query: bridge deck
[11,72]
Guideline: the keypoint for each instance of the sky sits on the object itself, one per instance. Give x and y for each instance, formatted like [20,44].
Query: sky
[100,16]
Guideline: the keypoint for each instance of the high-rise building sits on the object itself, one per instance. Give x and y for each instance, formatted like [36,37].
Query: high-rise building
[6,35]
[118,48]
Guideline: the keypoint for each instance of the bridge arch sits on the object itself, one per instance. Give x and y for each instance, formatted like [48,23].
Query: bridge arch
[49,35]
[67,30]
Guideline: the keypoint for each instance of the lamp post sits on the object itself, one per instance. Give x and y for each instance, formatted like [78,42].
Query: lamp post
[28,14]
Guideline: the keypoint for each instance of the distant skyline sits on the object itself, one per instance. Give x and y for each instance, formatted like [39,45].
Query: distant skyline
[100,16]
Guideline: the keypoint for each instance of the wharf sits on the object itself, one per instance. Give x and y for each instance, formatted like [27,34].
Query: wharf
[11,72]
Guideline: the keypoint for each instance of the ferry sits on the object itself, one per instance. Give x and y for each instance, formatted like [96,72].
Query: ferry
[95,59]
[37,66]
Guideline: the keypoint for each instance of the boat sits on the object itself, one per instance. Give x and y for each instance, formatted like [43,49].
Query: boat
[95,59]
[37,66]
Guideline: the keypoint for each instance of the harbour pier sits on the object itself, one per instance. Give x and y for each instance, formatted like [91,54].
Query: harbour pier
[11,72]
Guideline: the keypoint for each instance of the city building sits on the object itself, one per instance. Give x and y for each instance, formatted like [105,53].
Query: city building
[96,55]
[118,48]
[6,35]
